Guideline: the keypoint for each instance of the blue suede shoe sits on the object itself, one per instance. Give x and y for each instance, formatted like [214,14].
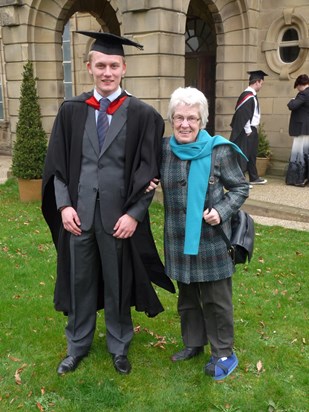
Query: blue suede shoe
[220,368]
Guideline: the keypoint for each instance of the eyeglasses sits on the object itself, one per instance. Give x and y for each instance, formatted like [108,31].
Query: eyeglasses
[192,120]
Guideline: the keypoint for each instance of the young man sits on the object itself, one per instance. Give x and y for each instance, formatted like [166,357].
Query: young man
[245,123]
[99,163]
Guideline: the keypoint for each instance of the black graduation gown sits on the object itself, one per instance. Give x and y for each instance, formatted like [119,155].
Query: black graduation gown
[141,262]
[241,116]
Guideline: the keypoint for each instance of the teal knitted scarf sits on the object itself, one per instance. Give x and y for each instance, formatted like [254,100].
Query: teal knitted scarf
[199,153]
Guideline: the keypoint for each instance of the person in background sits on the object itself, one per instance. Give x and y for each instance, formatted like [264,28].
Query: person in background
[104,149]
[245,122]
[298,168]
[196,255]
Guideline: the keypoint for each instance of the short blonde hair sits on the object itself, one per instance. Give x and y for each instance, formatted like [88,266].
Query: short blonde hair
[91,52]
[189,96]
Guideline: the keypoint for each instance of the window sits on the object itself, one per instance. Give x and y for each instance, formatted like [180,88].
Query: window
[67,63]
[289,48]
[287,43]
[200,37]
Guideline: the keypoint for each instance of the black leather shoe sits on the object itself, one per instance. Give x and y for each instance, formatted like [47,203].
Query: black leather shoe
[69,364]
[122,364]
[187,353]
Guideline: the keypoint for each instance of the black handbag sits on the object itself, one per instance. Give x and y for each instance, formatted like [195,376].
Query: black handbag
[241,244]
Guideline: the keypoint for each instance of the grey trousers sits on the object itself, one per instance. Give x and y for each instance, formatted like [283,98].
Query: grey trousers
[206,315]
[93,250]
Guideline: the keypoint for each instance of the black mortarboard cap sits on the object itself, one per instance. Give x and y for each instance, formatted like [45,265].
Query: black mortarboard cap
[109,43]
[257,75]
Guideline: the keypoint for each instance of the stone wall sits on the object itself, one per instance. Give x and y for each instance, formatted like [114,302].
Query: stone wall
[247,35]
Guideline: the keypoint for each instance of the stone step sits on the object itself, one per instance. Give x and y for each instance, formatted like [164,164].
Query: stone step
[5,168]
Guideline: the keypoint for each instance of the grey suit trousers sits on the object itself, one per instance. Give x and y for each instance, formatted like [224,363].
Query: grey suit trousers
[87,252]
[206,314]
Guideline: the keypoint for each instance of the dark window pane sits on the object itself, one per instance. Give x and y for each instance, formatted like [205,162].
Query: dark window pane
[289,54]
[290,35]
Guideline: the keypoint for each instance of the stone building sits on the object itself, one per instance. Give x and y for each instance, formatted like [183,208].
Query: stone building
[209,44]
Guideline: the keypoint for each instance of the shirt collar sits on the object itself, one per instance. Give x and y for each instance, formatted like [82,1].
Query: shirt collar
[111,97]
[250,89]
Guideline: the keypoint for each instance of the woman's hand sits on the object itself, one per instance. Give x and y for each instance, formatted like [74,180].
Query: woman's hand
[211,217]
[153,184]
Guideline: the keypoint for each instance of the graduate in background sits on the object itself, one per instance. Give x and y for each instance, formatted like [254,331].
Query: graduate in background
[245,122]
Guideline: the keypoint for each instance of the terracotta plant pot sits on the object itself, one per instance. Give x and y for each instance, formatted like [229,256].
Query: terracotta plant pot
[30,190]
[262,164]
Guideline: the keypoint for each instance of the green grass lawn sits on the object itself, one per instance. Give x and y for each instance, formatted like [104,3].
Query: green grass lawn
[271,332]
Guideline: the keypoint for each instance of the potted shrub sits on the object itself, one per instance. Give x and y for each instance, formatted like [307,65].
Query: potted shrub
[30,146]
[264,153]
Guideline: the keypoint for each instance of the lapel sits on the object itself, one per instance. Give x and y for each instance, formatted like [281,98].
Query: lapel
[119,118]
[91,130]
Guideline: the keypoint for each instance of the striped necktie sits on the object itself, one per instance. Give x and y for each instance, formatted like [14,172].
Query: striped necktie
[102,122]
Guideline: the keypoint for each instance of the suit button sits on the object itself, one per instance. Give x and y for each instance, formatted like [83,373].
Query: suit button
[183,182]
[100,166]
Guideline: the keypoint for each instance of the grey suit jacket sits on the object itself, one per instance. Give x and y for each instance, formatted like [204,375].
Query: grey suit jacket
[102,175]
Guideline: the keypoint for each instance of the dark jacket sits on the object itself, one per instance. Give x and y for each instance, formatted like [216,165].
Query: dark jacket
[244,111]
[141,261]
[299,120]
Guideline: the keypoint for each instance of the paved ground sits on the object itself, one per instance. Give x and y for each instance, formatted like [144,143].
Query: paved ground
[278,204]
[272,204]
[5,164]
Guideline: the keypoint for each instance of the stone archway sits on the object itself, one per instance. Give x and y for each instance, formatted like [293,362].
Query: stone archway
[42,44]
[225,58]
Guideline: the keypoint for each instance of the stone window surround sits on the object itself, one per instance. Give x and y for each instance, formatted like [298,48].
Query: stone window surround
[270,46]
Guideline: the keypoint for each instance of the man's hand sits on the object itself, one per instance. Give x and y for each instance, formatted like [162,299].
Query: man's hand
[125,227]
[212,217]
[70,220]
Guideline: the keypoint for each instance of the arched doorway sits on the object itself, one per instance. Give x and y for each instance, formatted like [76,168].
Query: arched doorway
[200,59]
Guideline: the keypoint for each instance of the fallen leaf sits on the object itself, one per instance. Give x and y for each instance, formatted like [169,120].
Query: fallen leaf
[40,407]
[14,359]
[259,366]
[17,374]
[17,377]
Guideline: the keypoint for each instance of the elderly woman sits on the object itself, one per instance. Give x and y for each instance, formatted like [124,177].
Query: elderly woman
[196,255]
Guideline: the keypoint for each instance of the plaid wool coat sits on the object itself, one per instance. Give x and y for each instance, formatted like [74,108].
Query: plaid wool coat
[229,192]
